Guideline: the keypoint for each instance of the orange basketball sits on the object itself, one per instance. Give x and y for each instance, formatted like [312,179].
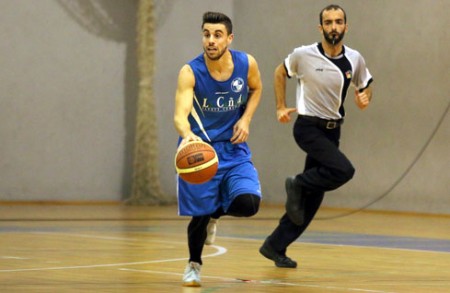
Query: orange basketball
[196,162]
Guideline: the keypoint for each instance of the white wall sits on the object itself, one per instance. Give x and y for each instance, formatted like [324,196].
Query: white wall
[62,106]
[68,97]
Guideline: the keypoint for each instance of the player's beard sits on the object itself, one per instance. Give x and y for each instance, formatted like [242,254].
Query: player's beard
[333,38]
[215,57]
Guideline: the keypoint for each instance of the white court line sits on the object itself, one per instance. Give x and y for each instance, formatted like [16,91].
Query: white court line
[105,237]
[12,257]
[271,282]
[220,250]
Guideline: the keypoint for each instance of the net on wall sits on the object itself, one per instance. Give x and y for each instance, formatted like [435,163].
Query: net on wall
[96,17]
[146,187]
[106,20]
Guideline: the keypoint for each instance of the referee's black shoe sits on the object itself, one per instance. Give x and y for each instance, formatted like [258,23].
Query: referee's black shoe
[295,203]
[281,261]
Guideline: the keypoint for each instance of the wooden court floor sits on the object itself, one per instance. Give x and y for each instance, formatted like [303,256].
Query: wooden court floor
[117,248]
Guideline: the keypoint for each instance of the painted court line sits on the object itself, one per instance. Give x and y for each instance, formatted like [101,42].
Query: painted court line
[269,282]
[219,251]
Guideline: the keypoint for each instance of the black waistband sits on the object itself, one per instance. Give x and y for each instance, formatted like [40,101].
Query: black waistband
[325,123]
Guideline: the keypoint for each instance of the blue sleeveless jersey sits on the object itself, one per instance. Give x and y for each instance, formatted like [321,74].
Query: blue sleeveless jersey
[218,105]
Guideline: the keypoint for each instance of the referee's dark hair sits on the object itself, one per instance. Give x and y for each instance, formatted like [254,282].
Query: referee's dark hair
[332,7]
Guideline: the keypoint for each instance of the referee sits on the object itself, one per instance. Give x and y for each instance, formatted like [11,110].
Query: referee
[324,72]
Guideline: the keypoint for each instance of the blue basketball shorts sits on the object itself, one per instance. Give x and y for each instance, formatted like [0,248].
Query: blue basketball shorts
[236,175]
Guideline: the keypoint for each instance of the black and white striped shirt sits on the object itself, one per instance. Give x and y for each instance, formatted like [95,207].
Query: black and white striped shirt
[323,81]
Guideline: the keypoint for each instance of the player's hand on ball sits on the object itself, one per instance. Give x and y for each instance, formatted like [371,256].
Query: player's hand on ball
[190,137]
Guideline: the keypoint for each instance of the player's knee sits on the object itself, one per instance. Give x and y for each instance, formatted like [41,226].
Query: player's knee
[249,204]
[245,205]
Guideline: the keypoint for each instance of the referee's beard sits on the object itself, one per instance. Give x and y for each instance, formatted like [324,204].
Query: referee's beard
[333,38]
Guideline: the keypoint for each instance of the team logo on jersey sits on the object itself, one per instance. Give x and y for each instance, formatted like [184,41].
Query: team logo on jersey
[348,74]
[222,102]
[237,84]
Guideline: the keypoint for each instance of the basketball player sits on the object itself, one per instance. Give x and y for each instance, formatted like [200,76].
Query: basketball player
[324,71]
[217,94]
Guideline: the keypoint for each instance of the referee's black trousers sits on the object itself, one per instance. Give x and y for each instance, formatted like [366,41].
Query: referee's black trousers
[332,169]
[326,168]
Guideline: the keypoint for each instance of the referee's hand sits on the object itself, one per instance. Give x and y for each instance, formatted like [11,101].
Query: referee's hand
[283,114]
[362,99]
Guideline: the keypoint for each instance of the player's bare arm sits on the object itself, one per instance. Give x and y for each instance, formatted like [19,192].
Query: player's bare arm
[283,113]
[242,127]
[184,99]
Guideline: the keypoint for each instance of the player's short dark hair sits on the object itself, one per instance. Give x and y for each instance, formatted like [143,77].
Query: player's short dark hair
[217,17]
[332,7]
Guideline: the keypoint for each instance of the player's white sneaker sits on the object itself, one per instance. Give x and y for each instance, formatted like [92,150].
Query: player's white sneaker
[211,230]
[191,276]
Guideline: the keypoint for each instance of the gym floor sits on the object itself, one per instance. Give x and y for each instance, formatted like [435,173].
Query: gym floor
[117,248]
